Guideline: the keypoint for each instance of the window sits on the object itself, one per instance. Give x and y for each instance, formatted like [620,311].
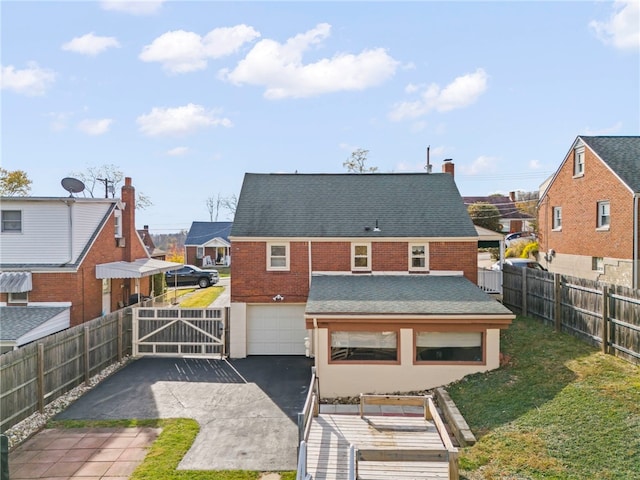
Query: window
[361,256]
[418,257]
[277,256]
[578,162]
[557,218]
[117,222]
[199,251]
[364,346]
[449,347]
[12,221]
[604,215]
[597,264]
[18,297]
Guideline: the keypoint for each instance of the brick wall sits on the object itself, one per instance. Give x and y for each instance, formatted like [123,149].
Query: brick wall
[578,198]
[252,283]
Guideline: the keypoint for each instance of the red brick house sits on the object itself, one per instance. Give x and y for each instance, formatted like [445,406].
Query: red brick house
[588,211]
[512,219]
[372,274]
[81,255]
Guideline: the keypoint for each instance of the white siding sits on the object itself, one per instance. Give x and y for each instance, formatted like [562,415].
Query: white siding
[45,237]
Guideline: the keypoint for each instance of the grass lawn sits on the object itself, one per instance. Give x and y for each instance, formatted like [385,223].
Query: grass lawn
[201,298]
[559,409]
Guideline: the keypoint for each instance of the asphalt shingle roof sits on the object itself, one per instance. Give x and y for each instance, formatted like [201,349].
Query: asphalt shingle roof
[622,154]
[201,232]
[17,321]
[399,294]
[342,205]
[504,204]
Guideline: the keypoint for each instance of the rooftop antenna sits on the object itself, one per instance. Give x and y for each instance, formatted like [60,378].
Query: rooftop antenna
[72,185]
[428,165]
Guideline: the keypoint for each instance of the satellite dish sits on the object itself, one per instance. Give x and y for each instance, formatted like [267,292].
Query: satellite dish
[72,185]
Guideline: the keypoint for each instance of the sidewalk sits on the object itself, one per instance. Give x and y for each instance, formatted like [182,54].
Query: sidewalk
[87,453]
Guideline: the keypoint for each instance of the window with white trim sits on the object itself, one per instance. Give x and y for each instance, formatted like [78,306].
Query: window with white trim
[278,256]
[557,218]
[364,346]
[578,162]
[11,221]
[117,223]
[199,251]
[449,347]
[361,256]
[597,264]
[418,256]
[604,214]
[18,297]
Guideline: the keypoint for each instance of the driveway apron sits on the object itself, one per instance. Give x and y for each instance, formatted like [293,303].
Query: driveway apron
[247,408]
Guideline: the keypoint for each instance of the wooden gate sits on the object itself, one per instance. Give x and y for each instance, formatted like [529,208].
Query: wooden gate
[179,332]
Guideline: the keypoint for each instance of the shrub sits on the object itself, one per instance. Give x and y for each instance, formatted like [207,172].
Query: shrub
[530,250]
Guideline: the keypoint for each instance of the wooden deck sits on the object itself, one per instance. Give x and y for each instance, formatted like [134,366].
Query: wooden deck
[390,447]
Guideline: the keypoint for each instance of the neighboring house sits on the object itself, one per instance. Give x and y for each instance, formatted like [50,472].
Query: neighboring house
[588,212]
[372,274]
[79,254]
[511,218]
[208,244]
[152,250]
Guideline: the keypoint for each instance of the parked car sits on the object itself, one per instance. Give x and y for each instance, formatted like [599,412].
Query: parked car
[519,262]
[512,237]
[192,275]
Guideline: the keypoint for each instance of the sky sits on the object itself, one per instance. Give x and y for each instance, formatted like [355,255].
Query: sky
[185,97]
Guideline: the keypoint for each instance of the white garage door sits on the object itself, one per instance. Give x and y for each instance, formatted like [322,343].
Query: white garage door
[275,330]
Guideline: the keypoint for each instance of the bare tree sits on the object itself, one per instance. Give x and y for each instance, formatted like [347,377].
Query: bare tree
[230,204]
[356,163]
[213,205]
[110,178]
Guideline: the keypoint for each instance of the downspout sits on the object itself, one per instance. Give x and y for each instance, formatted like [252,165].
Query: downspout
[310,263]
[69,203]
[636,211]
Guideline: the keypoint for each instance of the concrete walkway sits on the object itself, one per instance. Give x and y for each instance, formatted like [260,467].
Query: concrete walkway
[90,454]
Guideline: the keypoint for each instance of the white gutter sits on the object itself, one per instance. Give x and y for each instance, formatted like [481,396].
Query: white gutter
[635,281]
[69,203]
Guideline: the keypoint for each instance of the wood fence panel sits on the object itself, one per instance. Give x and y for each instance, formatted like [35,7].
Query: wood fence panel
[65,359]
[583,308]
[624,312]
[540,295]
[581,302]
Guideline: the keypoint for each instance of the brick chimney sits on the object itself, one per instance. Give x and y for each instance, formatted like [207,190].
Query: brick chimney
[128,218]
[512,196]
[448,167]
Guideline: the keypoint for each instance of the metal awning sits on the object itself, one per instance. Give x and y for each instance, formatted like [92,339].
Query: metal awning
[15,282]
[142,267]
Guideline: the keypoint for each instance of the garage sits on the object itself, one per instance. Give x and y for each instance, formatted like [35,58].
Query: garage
[275,330]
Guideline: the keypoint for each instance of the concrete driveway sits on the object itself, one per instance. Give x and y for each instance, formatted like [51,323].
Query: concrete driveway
[247,408]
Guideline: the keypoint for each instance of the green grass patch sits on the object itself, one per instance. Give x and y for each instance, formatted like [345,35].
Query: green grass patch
[165,454]
[202,298]
[558,409]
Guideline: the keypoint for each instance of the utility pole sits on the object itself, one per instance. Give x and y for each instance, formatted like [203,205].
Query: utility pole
[106,182]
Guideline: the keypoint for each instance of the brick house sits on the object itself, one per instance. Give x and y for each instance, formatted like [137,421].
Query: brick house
[67,260]
[372,274]
[511,218]
[208,244]
[588,211]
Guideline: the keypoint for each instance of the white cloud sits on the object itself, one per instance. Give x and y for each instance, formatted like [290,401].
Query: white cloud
[178,151]
[140,7]
[180,51]
[179,120]
[95,126]
[280,68]
[622,30]
[535,164]
[90,44]
[460,93]
[31,81]
[481,165]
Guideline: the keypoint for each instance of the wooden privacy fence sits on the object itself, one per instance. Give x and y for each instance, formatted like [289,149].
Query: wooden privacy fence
[36,374]
[607,316]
